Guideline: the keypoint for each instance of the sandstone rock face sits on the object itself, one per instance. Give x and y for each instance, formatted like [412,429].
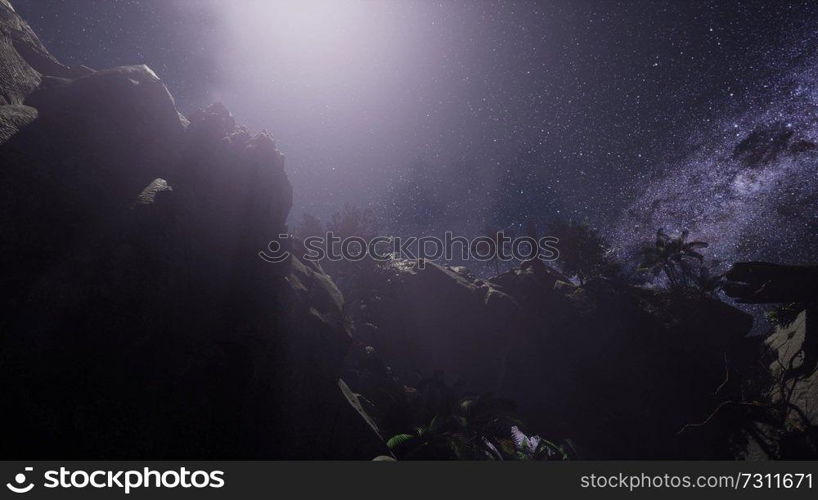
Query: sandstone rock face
[138,320]
[790,430]
[795,354]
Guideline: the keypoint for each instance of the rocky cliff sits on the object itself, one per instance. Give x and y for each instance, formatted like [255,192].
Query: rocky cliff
[137,318]
[138,321]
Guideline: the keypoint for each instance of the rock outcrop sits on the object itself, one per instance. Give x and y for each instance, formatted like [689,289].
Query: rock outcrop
[432,317]
[796,350]
[786,425]
[13,117]
[766,283]
[617,369]
[137,318]
[622,370]
[21,54]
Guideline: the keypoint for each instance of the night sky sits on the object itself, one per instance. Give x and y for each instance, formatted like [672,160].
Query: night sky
[626,114]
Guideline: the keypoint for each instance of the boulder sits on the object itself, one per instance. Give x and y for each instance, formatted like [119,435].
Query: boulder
[96,143]
[766,283]
[138,319]
[429,318]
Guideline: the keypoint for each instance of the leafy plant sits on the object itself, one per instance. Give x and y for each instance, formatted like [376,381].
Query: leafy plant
[583,251]
[535,447]
[431,419]
[784,315]
[675,257]
[475,428]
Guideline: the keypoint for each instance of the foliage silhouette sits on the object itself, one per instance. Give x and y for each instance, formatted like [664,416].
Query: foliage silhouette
[675,257]
[468,428]
[583,252]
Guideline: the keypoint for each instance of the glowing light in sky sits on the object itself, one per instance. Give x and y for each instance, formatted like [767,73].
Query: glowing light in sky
[332,80]
[317,52]
[313,37]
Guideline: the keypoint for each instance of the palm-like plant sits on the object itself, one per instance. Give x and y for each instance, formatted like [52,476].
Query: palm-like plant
[673,256]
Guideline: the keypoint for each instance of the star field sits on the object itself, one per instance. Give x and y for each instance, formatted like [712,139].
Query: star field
[626,114]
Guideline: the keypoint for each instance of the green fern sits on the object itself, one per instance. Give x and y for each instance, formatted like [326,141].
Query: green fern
[398,440]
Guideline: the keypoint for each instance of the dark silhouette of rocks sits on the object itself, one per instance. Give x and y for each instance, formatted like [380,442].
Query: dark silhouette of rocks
[138,319]
[766,283]
[617,369]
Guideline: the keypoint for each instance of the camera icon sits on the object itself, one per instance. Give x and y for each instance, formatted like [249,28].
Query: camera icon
[20,479]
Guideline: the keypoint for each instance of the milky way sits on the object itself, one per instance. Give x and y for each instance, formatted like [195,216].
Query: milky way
[631,115]
[748,184]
